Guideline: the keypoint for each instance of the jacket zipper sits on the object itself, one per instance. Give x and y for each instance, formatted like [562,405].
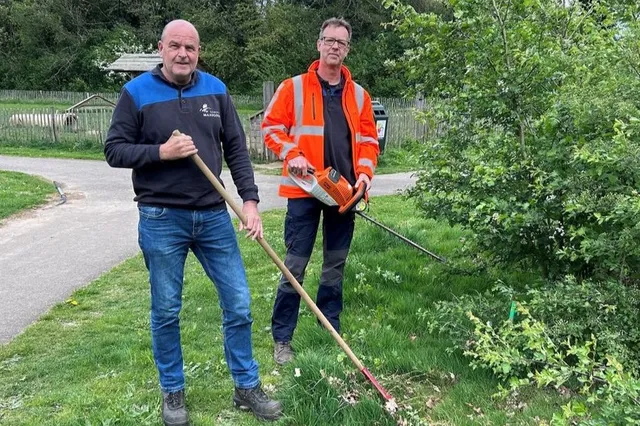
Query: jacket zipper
[313,106]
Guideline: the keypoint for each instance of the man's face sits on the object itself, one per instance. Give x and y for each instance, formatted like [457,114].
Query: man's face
[333,46]
[179,49]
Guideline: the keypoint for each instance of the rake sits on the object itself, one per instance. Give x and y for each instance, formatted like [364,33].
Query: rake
[296,285]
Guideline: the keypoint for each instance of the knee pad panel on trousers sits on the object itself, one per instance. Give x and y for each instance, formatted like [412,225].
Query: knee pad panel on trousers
[296,266]
[333,267]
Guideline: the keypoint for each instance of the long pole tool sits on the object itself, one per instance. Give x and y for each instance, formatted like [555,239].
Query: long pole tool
[296,285]
[402,237]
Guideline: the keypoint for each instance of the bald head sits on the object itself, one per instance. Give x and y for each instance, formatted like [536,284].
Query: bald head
[179,47]
[181,26]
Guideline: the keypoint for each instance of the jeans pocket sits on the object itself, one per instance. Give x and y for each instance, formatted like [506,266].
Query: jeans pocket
[151,212]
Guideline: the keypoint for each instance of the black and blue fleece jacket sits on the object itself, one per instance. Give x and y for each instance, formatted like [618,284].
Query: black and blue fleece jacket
[150,108]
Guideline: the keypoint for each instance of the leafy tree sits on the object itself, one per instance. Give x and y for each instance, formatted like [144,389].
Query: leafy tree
[64,44]
[283,48]
[541,106]
[225,30]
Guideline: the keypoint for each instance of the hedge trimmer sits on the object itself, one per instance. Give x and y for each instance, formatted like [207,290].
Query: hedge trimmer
[332,189]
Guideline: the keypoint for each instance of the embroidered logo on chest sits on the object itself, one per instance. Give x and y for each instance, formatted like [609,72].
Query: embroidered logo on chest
[207,111]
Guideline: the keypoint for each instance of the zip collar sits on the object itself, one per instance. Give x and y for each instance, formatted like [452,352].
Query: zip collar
[157,72]
[344,72]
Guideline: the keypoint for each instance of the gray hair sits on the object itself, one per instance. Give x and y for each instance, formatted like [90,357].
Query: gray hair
[335,22]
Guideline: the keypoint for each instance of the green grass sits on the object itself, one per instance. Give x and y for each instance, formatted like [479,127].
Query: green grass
[19,191]
[401,159]
[57,151]
[88,361]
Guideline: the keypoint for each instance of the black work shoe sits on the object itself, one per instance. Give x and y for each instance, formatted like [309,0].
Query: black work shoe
[256,400]
[282,352]
[174,412]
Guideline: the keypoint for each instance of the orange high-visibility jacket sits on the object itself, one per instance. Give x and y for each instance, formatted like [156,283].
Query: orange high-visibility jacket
[294,125]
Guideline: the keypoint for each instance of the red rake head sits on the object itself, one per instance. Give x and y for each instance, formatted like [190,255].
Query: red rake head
[386,395]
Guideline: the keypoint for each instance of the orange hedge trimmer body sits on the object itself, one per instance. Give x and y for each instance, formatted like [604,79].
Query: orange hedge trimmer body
[330,187]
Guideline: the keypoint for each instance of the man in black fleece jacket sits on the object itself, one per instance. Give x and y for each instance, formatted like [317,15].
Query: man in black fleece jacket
[180,210]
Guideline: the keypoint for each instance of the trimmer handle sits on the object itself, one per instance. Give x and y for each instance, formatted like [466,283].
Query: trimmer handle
[359,194]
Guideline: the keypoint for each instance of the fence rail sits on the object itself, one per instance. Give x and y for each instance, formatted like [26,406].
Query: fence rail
[22,124]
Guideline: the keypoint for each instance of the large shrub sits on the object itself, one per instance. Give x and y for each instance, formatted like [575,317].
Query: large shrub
[539,162]
[541,103]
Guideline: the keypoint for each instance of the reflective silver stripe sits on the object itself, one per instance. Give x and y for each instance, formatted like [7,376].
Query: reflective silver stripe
[286,147]
[267,129]
[369,139]
[298,100]
[273,100]
[274,136]
[298,103]
[307,131]
[270,132]
[366,162]
[359,97]
[287,181]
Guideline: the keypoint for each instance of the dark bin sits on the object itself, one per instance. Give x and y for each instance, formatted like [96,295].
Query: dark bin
[381,118]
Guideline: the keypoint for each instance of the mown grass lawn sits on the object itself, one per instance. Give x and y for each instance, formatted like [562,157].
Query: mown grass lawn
[49,151]
[88,361]
[398,159]
[19,191]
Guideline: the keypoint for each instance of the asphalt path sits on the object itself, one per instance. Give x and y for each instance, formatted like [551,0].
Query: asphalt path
[47,253]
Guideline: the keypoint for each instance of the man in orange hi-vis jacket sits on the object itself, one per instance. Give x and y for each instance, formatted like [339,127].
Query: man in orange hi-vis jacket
[316,120]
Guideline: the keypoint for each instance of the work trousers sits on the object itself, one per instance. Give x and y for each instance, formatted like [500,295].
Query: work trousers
[300,229]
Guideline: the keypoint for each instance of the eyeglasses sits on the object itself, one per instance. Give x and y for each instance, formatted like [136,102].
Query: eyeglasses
[330,41]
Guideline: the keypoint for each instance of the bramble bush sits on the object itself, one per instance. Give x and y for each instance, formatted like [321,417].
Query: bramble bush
[527,346]
[572,311]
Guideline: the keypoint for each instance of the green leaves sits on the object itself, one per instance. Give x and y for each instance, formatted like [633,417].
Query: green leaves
[568,335]
[540,156]
[62,44]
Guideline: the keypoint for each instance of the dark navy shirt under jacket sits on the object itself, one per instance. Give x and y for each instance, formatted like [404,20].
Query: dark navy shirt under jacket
[338,152]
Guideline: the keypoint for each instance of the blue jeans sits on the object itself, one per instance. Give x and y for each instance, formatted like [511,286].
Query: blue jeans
[165,236]
[300,229]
